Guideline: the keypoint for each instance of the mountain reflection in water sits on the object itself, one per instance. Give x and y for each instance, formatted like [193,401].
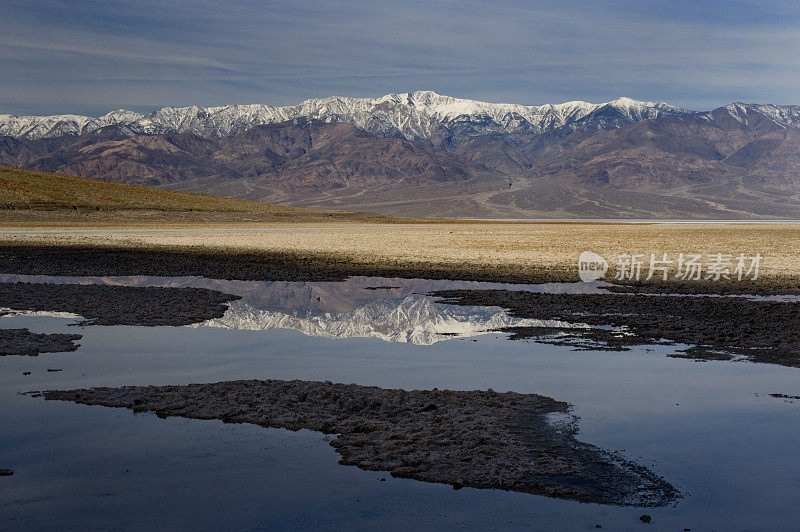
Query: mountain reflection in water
[394,310]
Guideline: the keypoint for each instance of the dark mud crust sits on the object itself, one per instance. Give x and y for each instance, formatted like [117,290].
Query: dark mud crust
[581,339]
[717,328]
[118,305]
[236,264]
[249,266]
[480,439]
[764,286]
[24,342]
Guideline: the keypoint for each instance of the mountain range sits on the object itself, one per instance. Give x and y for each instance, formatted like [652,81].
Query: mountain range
[422,153]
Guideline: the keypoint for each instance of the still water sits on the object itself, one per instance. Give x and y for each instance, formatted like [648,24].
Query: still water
[711,429]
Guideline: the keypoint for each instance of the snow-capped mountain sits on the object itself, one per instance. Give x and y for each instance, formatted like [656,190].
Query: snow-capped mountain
[414,116]
[425,154]
[414,319]
[782,115]
[36,127]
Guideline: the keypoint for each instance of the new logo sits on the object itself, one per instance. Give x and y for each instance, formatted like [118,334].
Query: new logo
[591,266]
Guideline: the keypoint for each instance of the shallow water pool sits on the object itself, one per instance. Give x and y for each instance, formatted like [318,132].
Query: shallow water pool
[711,428]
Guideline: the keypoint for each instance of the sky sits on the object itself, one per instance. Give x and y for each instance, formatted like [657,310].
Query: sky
[90,57]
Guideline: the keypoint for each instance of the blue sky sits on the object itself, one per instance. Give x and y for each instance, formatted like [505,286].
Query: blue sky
[93,56]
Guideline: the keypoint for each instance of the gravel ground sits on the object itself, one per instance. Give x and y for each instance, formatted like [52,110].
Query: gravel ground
[480,439]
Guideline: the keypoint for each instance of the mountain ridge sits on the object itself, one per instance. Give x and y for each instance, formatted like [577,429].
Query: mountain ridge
[411,115]
[425,154]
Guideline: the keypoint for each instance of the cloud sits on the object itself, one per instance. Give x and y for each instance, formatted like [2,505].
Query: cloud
[91,56]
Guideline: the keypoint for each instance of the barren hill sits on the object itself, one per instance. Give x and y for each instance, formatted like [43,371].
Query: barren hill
[27,195]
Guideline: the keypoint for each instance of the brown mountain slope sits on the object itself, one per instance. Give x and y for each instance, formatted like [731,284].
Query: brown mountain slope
[288,156]
[738,161]
[710,164]
[675,151]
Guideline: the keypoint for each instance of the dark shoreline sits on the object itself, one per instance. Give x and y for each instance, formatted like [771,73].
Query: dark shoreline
[220,263]
[118,305]
[246,266]
[480,439]
[715,328]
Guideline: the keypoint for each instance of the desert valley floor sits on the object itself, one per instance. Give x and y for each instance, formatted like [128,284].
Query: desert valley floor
[421,357]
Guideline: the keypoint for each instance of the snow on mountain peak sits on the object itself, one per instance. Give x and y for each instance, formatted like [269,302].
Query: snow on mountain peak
[783,115]
[635,110]
[413,115]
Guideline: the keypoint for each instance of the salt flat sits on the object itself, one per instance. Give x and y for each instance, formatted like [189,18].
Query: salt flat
[515,251]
